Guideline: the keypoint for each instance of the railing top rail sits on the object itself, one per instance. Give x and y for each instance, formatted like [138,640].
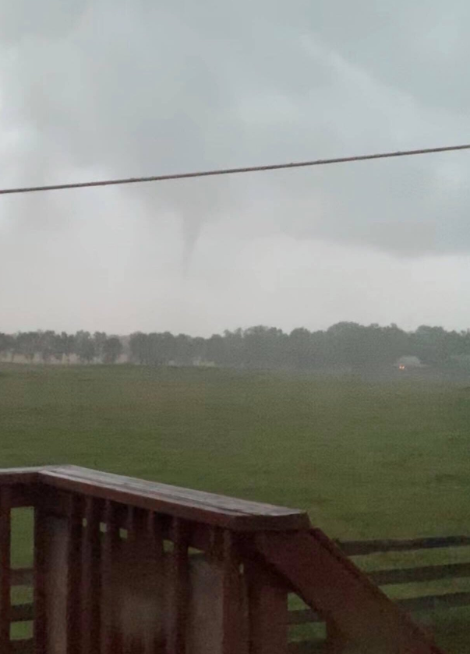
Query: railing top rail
[19,475]
[197,506]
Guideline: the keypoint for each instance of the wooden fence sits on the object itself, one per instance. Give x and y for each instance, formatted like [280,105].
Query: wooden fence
[123,566]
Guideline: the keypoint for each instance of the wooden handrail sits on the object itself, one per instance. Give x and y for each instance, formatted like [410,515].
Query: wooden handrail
[114,571]
[198,506]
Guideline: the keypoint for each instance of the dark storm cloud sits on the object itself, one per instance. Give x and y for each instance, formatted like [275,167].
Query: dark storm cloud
[97,89]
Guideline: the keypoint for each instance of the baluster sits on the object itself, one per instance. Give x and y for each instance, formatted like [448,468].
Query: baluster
[5,569]
[91,579]
[232,626]
[74,542]
[155,536]
[179,588]
[136,627]
[40,579]
[111,641]
[268,612]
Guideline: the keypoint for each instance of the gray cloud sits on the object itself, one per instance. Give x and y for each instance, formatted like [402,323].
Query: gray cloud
[128,88]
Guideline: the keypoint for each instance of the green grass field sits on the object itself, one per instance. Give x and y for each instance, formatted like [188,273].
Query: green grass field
[365,460]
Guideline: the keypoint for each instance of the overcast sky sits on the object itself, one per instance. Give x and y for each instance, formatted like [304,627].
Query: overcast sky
[114,88]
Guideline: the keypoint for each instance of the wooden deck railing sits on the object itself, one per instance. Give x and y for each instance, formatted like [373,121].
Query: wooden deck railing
[387,571]
[131,567]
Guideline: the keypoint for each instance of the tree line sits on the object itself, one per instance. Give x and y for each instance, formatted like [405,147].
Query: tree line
[345,344]
[50,346]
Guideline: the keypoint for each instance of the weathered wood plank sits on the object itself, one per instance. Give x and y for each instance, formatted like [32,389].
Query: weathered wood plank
[179,589]
[142,588]
[233,634]
[138,585]
[178,502]
[54,502]
[74,569]
[111,634]
[268,612]
[56,547]
[91,579]
[328,582]
[5,581]
[23,495]
[40,571]
[19,475]
[157,571]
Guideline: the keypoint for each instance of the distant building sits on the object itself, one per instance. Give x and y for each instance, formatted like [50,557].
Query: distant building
[407,362]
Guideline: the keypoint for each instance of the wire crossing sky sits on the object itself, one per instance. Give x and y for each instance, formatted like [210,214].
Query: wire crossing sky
[233,171]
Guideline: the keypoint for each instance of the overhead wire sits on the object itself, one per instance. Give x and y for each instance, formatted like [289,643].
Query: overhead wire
[231,171]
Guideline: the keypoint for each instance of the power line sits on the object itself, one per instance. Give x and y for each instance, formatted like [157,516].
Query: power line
[233,171]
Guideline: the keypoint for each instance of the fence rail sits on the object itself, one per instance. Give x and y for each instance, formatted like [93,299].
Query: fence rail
[364,547]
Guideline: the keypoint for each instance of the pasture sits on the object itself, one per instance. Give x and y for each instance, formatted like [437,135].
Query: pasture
[366,460]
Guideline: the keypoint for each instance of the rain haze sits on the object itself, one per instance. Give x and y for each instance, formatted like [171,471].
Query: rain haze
[119,89]
[298,337]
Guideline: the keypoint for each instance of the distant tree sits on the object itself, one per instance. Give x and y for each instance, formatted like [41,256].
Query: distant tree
[65,345]
[199,348]
[27,344]
[47,345]
[345,344]
[138,348]
[111,349]
[84,347]
[234,348]
[14,347]
[430,344]
[99,340]
[265,347]
[153,350]
[300,350]
[7,343]
[166,350]
[216,350]
[183,351]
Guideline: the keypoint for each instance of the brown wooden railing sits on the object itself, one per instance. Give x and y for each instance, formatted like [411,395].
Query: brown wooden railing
[385,573]
[131,567]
